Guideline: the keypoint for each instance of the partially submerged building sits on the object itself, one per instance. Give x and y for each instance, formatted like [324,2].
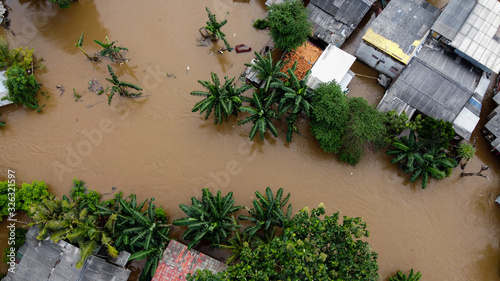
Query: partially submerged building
[492,127]
[396,34]
[305,56]
[332,65]
[440,84]
[3,90]
[335,20]
[178,261]
[46,260]
[472,29]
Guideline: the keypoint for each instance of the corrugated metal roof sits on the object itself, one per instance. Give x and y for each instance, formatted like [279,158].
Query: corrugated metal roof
[335,20]
[478,39]
[49,261]
[401,27]
[438,84]
[453,17]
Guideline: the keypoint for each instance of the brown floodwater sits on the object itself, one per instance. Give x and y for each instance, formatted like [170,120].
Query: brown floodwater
[156,147]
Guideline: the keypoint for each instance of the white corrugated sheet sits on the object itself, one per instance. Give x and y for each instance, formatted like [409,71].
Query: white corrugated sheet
[333,64]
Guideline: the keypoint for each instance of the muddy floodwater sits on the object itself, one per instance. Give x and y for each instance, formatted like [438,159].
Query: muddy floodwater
[156,147]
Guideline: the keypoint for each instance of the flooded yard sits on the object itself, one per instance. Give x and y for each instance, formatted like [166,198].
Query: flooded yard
[156,147]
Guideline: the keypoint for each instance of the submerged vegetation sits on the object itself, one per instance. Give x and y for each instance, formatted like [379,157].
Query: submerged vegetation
[120,87]
[213,26]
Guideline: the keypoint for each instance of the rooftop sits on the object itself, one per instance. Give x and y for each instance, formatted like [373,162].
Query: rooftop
[479,37]
[333,64]
[439,84]
[305,56]
[453,17]
[178,261]
[46,260]
[401,27]
[335,20]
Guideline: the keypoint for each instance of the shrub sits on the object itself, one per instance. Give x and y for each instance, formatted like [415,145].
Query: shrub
[466,151]
[261,24]
[22,88]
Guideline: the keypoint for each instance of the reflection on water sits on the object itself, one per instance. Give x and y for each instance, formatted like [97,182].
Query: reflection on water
[156,147]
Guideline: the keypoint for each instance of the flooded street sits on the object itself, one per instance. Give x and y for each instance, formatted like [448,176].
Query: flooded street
[156,147]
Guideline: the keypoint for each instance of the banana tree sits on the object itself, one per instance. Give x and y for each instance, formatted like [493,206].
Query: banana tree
[267,212]
[113,52]
[405,150]
[261,115]
[268,71]
[120,87]
[79,46]
[209,218]
[142,233]
[433,163]
[294,99]
[223,100]
[213,26]
[400,276]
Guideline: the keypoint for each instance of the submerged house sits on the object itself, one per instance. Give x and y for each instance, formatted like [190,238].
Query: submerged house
[472,30]
[440,84]
[178,261]
[46,260]
[3,90]
[492,127]
[335,20]
[396,34]
[333,64]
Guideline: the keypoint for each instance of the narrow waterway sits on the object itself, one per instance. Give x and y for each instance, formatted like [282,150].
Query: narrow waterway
[156,147]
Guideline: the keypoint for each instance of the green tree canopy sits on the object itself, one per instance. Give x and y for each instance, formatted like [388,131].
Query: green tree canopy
[312,247]
[22,87]
[329,115]
[436,132]
[289,25]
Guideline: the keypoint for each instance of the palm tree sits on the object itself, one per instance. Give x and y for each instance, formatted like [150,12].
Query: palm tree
[121,87]
[261,116]
[209,218]
[268,71]
[109,49]
[214,27]
[222,100]
[267,211]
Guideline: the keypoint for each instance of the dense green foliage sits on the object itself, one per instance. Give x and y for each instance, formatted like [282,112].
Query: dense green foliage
[421,158]
[330,112]
[213,26]
[267,212]
[74,219]
[144,233]
[289,25]
[223,100]
[63,3]
[2,124]
[22,57]
[120,87]
[396,124]
[312,247]
[109,49]
[22,87]
[466,151]
[261,114]
[365,124]
[438,133]
[25,196]
[209,218]
[261,24]
[400,276]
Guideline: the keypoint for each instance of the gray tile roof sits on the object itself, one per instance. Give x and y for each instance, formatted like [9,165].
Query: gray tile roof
[479,36]
[439,84]
[453,17]
[401,26]
[335,20]
[46,260]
